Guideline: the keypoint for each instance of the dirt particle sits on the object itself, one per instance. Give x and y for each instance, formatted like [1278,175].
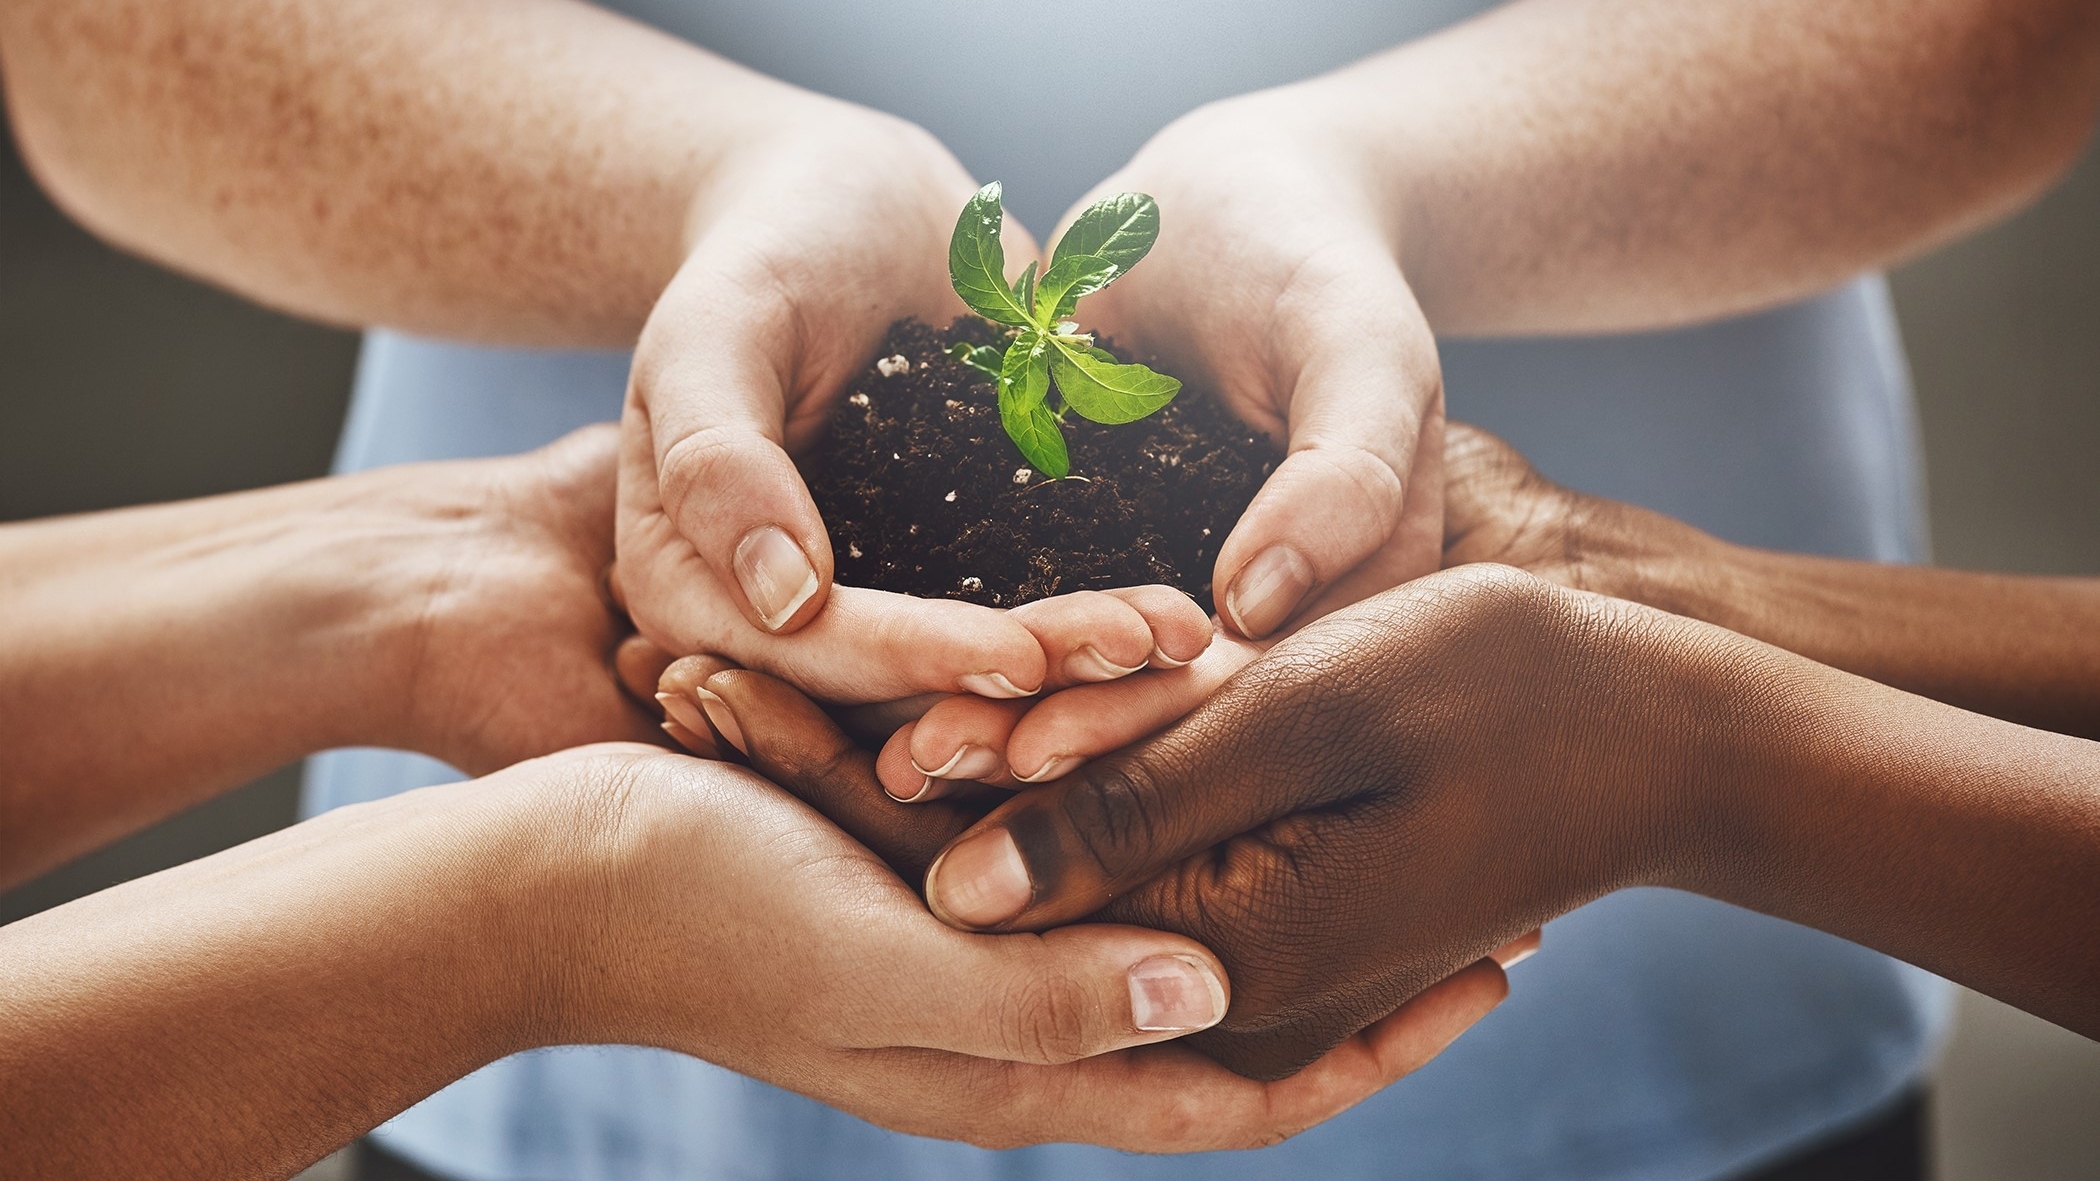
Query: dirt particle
[857,398]
[893,366]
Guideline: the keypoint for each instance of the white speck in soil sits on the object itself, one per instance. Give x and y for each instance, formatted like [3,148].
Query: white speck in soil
[973,583]
[857,398]
[852,550]
[954,405]
[894,455]
[1206,533]
[913,531]
[1021,474]
[950,498]
[892,366]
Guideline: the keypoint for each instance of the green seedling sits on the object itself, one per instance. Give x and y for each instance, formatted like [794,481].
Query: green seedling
[1044,347]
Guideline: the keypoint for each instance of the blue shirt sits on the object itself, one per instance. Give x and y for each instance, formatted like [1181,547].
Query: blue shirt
[1659,1035]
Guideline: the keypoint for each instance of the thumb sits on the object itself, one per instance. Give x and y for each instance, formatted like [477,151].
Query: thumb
[1055,853]
[1071,993]
[1363,381]
[713,379]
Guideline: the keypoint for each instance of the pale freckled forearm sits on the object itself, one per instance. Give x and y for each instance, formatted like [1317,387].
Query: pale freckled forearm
[1590,165]
[504,171]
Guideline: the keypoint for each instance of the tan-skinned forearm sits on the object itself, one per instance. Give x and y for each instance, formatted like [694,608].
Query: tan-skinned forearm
[1591,165]
[244,1015]
[2022,648]
[158,655]
[2026,649]
[508,171]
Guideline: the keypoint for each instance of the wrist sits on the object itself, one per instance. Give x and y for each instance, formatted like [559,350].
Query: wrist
[1755,733]
[800,136]
[580,935]
[387,553]
[1645,557]
[474,887]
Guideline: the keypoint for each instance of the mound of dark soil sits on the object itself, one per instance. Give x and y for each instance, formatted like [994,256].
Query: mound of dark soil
[924,493]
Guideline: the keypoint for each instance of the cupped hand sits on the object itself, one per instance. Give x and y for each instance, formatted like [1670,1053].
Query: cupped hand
[727,920]
[951,742]
[804,251]
[1382,799]
[501,636]
[1275,284]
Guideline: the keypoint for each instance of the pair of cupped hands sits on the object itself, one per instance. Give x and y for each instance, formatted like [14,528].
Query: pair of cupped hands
[1324,901]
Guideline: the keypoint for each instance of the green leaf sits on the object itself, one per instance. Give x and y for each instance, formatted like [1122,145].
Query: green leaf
[977,262]
[1024,388]
[1096,386]
[979,357]
[1068,280]
[1024,287]
[1120,229]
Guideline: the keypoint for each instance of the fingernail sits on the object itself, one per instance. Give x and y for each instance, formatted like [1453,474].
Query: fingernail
[970,762]
[981,882]
[1516,951]
[682,712]
[1088,664]
[993,685]
[1267,590]
[917,794]
[1161,660]
[723,717]
[775,574]
[1057,768]
[1175,994]
[684,737]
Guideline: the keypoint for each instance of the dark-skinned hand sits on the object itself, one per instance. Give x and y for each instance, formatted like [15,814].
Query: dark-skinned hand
[1381,800]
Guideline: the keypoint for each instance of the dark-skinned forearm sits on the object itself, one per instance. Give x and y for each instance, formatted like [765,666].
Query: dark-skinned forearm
[1960,843]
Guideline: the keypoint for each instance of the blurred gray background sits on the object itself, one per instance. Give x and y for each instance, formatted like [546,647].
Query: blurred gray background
[122,383]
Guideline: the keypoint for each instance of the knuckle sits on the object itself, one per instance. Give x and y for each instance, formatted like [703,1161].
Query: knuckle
[1117,817]
[1047,1020]
[1184,1122]
[706,460]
